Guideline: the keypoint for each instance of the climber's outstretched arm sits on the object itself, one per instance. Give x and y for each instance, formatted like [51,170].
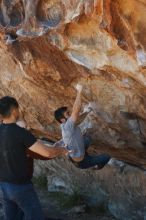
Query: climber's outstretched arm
[77,104]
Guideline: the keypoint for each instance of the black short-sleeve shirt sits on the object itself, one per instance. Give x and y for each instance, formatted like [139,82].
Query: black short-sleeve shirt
[14,141]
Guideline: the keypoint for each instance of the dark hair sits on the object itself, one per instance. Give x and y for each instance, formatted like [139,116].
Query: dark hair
[59,113]
[6,105]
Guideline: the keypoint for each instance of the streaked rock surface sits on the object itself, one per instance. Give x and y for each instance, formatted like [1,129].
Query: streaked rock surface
[47,46]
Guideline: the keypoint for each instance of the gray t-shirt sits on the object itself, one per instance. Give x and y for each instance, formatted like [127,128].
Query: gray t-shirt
[73,138]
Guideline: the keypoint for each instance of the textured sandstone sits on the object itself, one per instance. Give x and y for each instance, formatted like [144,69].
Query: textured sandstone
[47,46]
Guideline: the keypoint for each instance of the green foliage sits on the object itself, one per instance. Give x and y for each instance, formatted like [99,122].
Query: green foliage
[40,181]
[100,209]
[67,201]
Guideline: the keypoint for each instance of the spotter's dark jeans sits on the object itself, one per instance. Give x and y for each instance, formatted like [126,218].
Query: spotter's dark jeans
[20,202]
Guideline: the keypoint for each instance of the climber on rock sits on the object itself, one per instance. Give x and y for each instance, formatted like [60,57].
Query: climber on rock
[73,138]
[16,189]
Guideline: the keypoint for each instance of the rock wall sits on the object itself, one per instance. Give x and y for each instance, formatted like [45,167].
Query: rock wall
[47,46]
[120,191]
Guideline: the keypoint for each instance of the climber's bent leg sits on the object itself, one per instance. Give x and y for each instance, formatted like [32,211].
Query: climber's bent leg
[91,161]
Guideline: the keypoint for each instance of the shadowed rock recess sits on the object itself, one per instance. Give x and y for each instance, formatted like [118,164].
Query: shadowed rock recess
[47,46]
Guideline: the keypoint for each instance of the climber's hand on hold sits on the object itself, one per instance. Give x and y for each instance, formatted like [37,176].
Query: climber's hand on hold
[87,108]
[79,88]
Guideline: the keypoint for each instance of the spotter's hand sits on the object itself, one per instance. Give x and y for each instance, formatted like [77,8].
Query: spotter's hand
[68,152]
[65,152]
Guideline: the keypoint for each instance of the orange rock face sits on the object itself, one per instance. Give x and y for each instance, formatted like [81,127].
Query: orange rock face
[46,47]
